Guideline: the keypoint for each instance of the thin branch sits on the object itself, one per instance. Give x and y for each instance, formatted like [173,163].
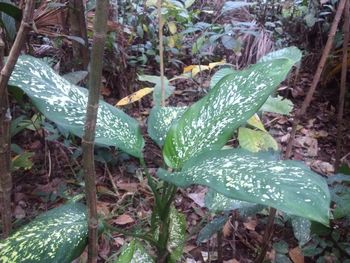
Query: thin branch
[95,75]
[161,51]
[5,116]
[342,86]
[316,78]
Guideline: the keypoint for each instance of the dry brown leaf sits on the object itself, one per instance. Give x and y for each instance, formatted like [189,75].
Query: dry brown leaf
[251,224]
[227,229]
[124,219]
[231,261]
[103,208]
[129,187]
[296,255]
[198,198]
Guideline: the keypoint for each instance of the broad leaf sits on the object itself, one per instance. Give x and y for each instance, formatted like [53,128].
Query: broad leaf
[256,141]
[76,76]
[157,92]
[159,121]
[216,202]
[208,124]
[57,236]
[219,75]
[278,105]
[11,10]
[301,229]
[22,161]
[212,228]
[177,235]
[134,252]
[258,178]
[65,104]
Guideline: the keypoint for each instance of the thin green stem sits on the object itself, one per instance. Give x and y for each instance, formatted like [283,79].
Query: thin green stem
[145,237]
[151,184]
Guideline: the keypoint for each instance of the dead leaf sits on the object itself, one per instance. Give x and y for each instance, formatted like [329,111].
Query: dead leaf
[198,198]
[129,187]
[103,208]
[134,96]
[231,261]
[227,229]
[296,255]
[322,167]
[251,224]
[124,219]
[20,213]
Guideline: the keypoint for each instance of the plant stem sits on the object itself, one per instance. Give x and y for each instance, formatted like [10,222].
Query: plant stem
[78,29]
[342,86]
[95,75]
[316,78]
[161,51]
[5,116]
[132,234]
[151,184]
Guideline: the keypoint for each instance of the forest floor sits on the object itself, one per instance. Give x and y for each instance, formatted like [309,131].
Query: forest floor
[125,198]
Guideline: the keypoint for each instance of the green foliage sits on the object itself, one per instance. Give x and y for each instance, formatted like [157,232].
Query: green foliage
[240,175]
[177,235]
[65,104]
[208,124]
[57,236]
[255,140]
[134,252]
[9,14]
[159,121]
[212,228]
[157,93]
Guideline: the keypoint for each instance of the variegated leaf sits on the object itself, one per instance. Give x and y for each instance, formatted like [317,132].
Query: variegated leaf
[258,178]
[177,235]
[134,252]
[160,120]
[256,141]
[208,124]
[65,104]
[57,236]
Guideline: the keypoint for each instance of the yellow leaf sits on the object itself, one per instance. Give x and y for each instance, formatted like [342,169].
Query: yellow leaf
[198,69]
[172,27]
[256,122]
[171,41]
[134,96]
[195,69]
[215,64]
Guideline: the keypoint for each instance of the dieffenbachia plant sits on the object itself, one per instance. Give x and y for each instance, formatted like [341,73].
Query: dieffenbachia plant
[192,140]
[65,104]
[59,235]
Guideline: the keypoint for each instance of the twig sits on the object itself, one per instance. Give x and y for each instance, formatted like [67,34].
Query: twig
[316,78]
[342,86]
[95,75]
[5,116]
[161,51]
[115,188]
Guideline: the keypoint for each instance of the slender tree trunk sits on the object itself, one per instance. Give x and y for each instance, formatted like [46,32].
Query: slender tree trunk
[344,72]
[317,76]
[5,116]
[78,29]
[305,105]
[161,51]
[95,75]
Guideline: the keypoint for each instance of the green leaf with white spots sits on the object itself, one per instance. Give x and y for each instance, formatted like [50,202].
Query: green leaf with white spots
[217,202]
[65,104]
[208,124]
[302,229]
[219,75]
[278,105]
[177,235]
[57,236]
[160,120]
[255,140]
[258,178]
[134,252]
